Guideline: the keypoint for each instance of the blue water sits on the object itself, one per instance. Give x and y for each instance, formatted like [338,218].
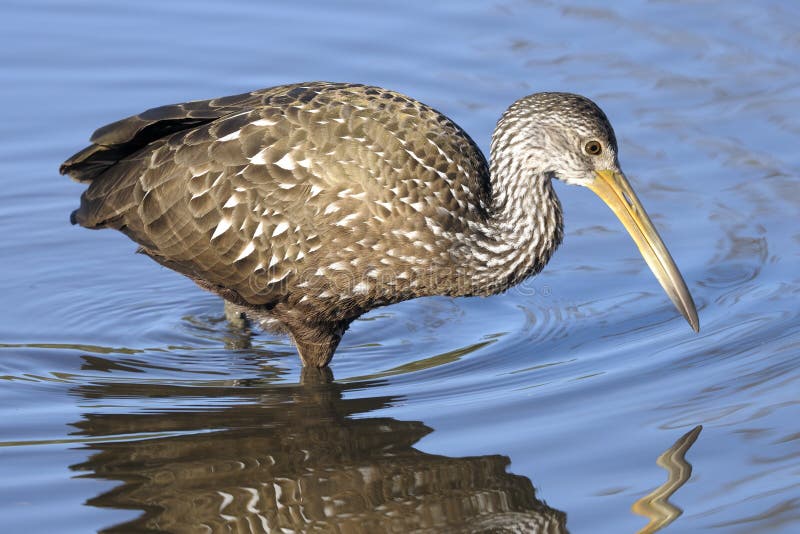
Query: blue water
[128,405]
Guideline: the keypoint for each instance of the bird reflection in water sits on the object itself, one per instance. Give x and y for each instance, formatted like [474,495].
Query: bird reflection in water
[655,505]
[293,457]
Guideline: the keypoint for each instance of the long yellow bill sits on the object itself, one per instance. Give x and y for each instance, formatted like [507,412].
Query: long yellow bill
[614,189]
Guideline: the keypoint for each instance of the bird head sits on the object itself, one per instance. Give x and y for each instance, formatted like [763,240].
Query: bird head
[568,137]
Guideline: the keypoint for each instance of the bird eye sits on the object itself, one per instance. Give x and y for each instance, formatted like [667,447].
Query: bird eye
[593,148]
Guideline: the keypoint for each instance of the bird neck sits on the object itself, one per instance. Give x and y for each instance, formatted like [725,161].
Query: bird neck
[523,226]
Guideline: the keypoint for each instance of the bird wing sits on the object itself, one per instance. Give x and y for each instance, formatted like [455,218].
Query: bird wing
[240,201]
[113,142]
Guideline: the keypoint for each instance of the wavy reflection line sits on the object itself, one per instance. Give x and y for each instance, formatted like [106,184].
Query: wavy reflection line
[655,505]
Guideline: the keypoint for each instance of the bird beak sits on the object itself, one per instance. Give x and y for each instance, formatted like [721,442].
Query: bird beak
[616,191]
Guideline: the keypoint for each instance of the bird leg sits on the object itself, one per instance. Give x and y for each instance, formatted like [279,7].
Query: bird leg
[316,344]
[316,353]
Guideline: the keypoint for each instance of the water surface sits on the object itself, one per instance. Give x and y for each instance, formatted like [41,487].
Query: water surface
[579,401]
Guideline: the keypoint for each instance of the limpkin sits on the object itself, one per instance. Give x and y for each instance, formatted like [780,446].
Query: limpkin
[306,205]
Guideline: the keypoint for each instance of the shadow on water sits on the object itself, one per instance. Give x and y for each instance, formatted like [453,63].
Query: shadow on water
[291,456]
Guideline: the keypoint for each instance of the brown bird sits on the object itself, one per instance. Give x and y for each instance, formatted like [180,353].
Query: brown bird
[306,205]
